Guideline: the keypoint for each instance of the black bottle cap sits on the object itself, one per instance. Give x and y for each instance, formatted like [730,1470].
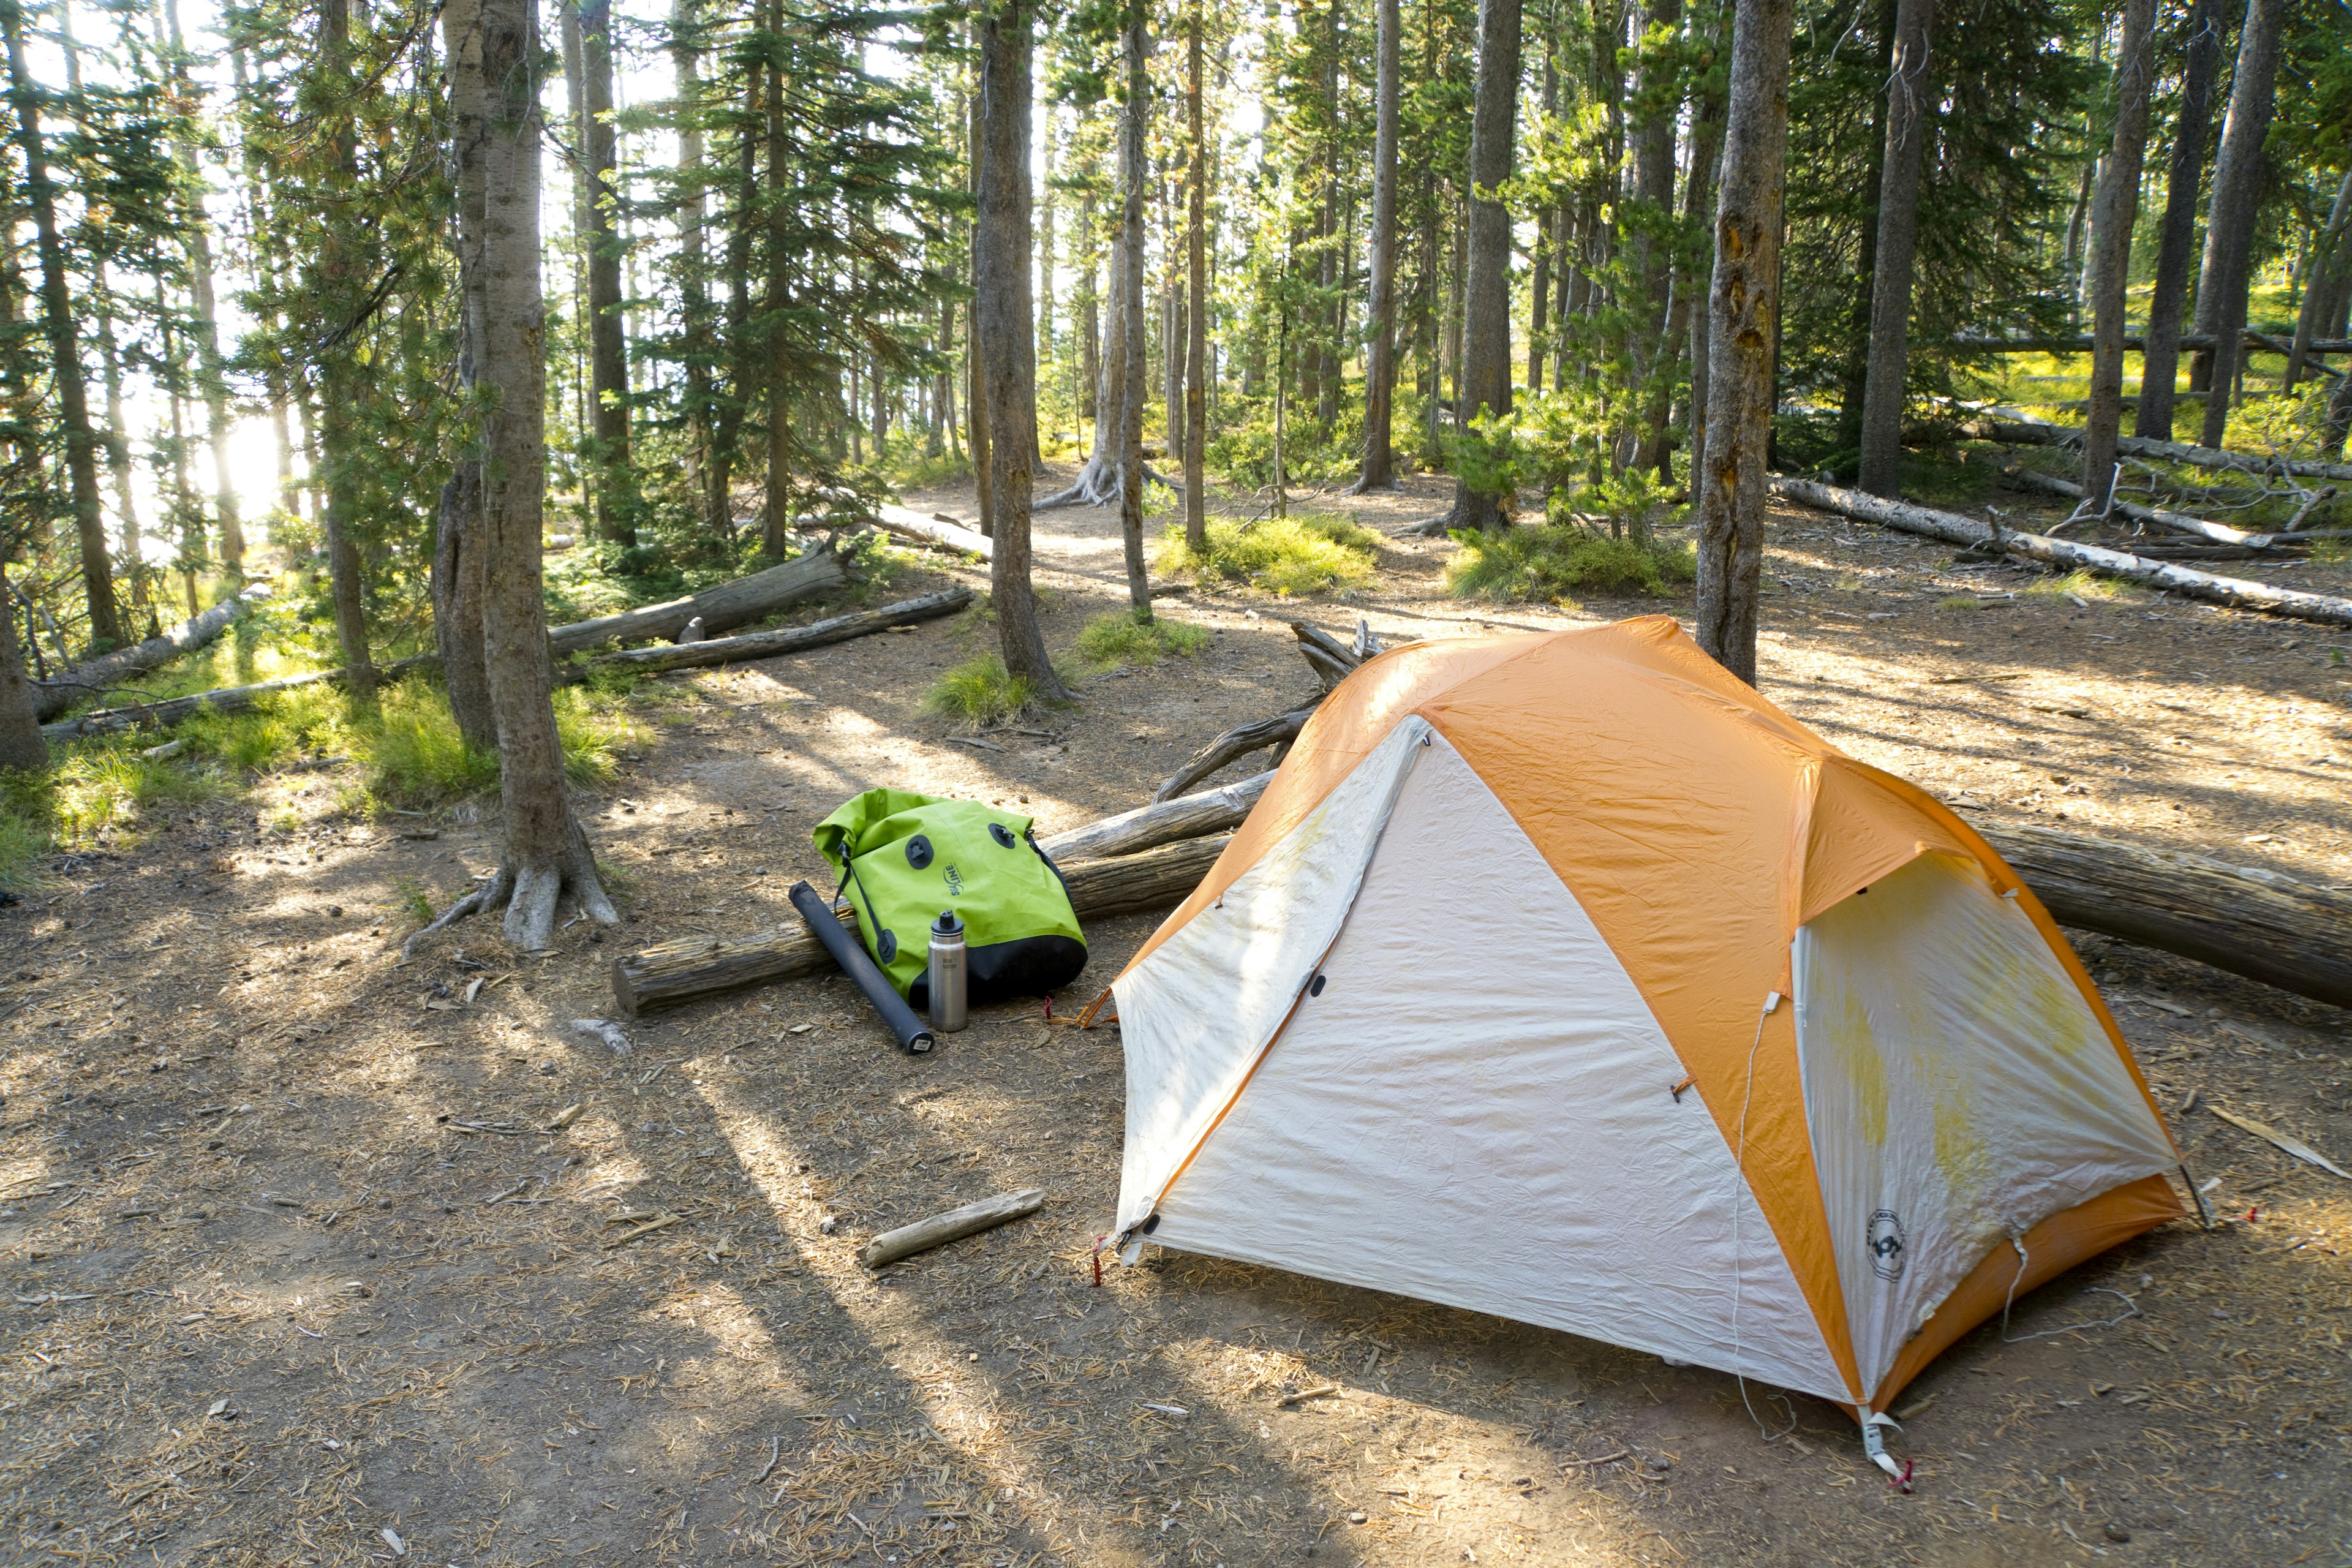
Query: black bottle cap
[947,924]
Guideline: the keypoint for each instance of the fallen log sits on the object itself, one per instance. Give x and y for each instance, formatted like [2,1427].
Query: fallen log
[2132,343]
[63,690]
[2251,920]
[1162,822]
[678,656]
[788,639]
[953,1226]
[2010,426]
[2239,593]
[222,699]
[671,973]
[2177,522]
[1232,746]
[726,605]
[936,531]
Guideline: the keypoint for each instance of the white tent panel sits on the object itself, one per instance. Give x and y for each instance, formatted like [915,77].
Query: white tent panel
[1476,1110]
[1959,1091]
[1195,1014]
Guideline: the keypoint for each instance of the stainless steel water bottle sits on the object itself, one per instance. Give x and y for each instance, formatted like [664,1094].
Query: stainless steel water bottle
[945,979]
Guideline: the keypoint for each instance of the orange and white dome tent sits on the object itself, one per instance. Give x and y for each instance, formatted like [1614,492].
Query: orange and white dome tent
[1563,977]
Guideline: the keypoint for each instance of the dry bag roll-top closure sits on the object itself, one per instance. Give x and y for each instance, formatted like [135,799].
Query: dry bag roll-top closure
[905,859]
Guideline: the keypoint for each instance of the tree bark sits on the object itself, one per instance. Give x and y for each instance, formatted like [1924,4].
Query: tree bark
[65,347]
[1378,472]
[338,394]
[1002,324]
[1196,288]
[1136,389]
[608,361]
[1485,383]
[1865,273]
[694,288]
[1899,237]
[2330,267]
[778,514]
[457,585]
[2167,305]
[546,852]
[2237,190]
[1744,310]
[2115,213]
[22,744]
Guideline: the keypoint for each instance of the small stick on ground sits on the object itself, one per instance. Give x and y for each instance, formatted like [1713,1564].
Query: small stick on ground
[1305,1395]
[953,1226]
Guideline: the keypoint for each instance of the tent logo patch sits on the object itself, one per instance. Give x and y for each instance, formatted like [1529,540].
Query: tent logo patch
[1886,1245]
[954,880]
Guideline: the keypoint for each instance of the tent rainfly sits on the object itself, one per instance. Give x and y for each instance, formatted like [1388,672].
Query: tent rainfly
[1563,977]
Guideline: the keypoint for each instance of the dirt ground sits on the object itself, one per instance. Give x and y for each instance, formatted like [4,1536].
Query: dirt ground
[293,1276]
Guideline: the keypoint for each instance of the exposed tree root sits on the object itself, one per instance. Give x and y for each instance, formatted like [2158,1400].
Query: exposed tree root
[1100,483]
[531,894]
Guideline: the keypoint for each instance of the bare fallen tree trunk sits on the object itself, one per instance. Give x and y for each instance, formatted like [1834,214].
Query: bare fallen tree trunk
[661,657]
[62,690]
[673,973]
[2251,920]
[2235,592]
[1162,822]
[731,604]
[936,531]
[2018,431]
[2178,522]
[1232,746]
[789,639]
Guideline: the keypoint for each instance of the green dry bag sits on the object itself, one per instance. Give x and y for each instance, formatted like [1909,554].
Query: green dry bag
[904,857]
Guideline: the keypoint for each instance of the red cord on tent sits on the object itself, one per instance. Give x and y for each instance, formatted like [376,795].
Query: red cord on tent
[1902,1483]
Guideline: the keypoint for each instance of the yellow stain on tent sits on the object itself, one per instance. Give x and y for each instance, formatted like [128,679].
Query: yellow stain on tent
[1856,1043]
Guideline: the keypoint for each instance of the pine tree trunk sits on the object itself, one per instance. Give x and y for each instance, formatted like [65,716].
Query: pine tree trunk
[1196,282]
[1132,126]
[1907,105]
[545,851]
[694,285]
[1865,272]
[2169,295]
[1745,306]
[1487,323]
[339,396]
[2325,281]
[64,348]
[457,585]
[777,539]
[608,361]
[1045,248]
[2237,190]
[1001,259]
[2116,213]
[22,745]
[1379,471]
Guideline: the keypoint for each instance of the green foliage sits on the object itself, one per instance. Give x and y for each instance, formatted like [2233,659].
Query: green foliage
[1547,564]
[413,756]
[1126,638]
[980,692]
[1285,556]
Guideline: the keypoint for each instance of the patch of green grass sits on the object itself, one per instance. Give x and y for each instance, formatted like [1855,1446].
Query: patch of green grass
[1959,602]
[413,900]
[1286,556]
[980,692]
[2331,552]
[595,731]
[1547,563]
[1121,637]
[412,756]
